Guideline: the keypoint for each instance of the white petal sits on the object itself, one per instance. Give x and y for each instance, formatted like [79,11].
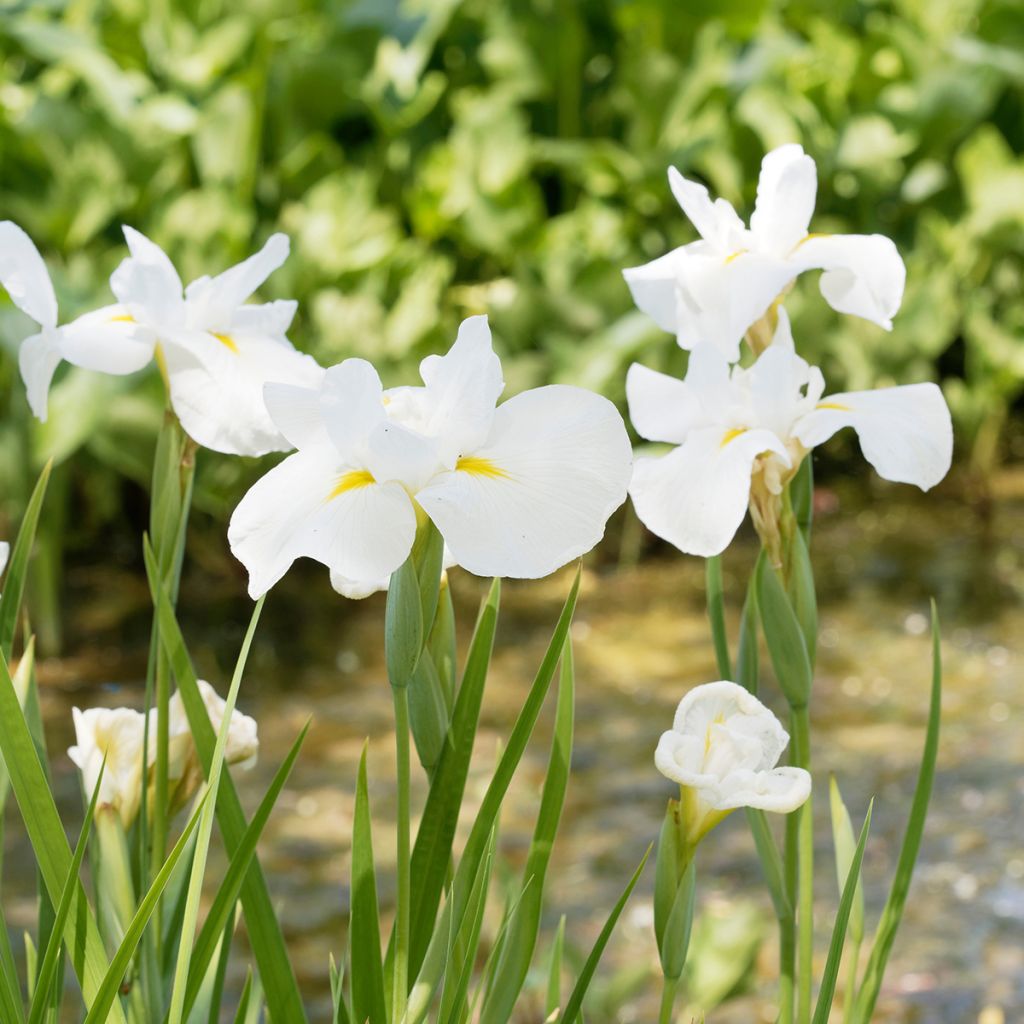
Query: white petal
[776,383]
[217,388]
[716,222]
[357,590]
[463,387]
[212,301]
[540,491]
[785,199]
[147,283]
[5,553]
[24,276]
[297,414]
[308,507]
[271,318]
[904,432]
[864,274]
[107,340]
[696,496]
[38,359]
[781,790]
[662,408]
[653,287]
[719,299]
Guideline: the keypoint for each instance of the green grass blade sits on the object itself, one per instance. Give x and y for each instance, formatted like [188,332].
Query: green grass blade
[845,845]
[867,995]
[432,850]
[835,950]
[264,929]
[243,1002]
[108,992]
[368,1001]
[575,1003]
[17,567]
[554,988]
[521,935]
[195,888]
[51,958]
[771,862]
[49,843]
[716,615]
[222,908]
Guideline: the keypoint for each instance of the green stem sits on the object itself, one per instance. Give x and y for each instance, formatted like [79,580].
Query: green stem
[787,927]
[668,1000]
[400,989]
[805,870]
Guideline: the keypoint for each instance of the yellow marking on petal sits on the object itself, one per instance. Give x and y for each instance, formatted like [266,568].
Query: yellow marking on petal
[351,481]
[735,256]
[481,467]
[227,341]
[122,318]
[834,405]
[731,435]
[809,236]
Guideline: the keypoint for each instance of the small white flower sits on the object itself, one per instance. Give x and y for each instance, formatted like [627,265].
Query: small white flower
[217,351]
[515,490]
[243,741]
[723,749]
[116,734]
[714,289]
[5,553]
[107,339]
[734,426]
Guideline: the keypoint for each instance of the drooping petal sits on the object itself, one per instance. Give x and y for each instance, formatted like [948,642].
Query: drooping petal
[212,301]
[147,284]
[297,414]
[312,505]
[540,491]
[720,299]
[108,340]
[696,496]
[864,274]
[786,192]
[662,408]
[24,276]
[905,432]
[38,359]
[781,790]
[716,222]
[216,386]
[357,590]
[654,289]
[462,390]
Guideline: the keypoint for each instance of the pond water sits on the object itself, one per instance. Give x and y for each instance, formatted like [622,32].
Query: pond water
[641,641]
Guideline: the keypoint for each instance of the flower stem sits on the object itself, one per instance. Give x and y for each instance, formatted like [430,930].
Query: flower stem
[805,873]
[668,1000]
[400,989]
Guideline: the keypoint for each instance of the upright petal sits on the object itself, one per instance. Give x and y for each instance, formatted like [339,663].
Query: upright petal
[462,389]
[297,414]
[864,274]
[654,288]
[313,505]
[38,359]
[696,496]
[147,283]
[24,276]
[716,222]
[216,386]
[352,400]
[540,491]
[905,432]
[108,340]
[785,199]
[270,318]
[662,408]
[212,301]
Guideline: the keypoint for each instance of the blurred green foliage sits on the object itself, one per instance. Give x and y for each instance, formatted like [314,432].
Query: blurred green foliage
[435,158]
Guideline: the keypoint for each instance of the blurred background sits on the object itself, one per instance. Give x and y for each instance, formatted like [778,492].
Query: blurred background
[434,158]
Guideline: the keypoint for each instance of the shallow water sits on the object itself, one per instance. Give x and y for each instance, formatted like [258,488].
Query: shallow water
[641,641]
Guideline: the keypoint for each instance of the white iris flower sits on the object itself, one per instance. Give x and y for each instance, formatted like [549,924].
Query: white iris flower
[714,289]
[723,749]
[216,350]
[736,429]
[516,489]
